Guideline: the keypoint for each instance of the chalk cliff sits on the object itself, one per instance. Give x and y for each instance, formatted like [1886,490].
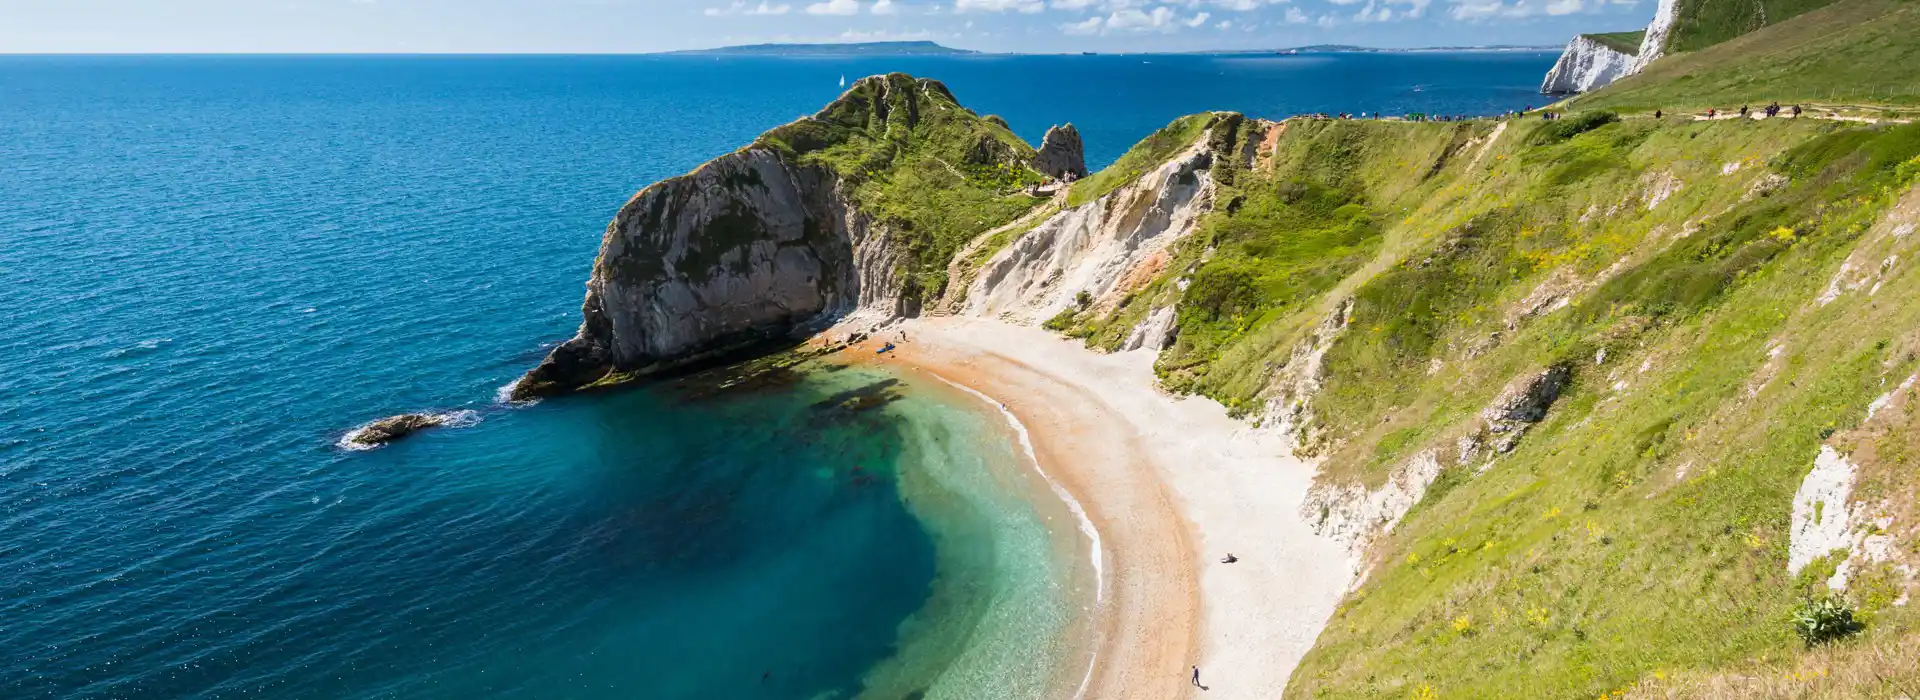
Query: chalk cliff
[1586,64]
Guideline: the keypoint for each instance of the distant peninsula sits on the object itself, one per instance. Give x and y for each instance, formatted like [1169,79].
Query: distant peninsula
[877,48]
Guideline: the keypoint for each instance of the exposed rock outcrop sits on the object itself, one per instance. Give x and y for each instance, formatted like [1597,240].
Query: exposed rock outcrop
[1522,404]
[1586,64]
[743,250]
[1654,44]
[1093,247]
[768,242]
[393,428]
[1062,155]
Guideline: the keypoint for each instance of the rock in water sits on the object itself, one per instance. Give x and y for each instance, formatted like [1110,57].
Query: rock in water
[392,428]
[1062,154]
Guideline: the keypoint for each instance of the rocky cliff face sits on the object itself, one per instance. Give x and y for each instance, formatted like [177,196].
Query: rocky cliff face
[1098,247]
[1062,155]
[779,237]
[745,249]
[1585,65]
[1654,45]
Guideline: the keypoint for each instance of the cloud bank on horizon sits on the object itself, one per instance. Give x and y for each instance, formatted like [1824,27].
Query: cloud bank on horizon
[620,26]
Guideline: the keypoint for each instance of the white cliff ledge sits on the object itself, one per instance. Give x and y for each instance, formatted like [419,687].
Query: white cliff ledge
[1586,64]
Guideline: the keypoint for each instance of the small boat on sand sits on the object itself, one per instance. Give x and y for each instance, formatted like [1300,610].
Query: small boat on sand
[885,350]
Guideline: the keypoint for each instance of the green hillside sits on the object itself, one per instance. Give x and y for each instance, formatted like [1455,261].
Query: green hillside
[934,172]
[1624,42]
[1636,538]
[1703,23]
[1854,52]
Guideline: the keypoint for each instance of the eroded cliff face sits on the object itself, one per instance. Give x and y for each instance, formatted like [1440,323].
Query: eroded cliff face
[1585,65]
[743,250]
[783,237]
[1654,44]
[1093,248]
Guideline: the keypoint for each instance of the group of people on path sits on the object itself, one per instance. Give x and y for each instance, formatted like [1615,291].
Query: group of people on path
[1771,111]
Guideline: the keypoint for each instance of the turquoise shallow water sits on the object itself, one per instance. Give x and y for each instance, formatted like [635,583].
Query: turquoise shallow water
[211,267]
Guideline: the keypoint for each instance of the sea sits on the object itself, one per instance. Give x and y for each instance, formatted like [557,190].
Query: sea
[212,267]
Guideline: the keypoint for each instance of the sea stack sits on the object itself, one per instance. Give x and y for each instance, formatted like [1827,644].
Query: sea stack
[1062,155]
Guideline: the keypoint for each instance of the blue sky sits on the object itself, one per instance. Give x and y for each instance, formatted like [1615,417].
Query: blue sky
[626,26]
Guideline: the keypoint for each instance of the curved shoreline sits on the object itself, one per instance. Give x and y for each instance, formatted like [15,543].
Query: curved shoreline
[1085,523]
[1168,485]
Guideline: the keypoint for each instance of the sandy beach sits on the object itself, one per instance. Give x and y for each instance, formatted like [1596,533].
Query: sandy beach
[1172,485]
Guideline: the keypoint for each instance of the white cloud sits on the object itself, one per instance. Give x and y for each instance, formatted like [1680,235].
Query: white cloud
[1088,27]
[1478,10]
[1224,25]
[1295,16]
[740,7]
[853,35]
[835,7]
[1021,6]
[885,7]
[1201,19]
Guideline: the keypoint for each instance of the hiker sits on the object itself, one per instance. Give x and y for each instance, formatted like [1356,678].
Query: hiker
[1743,111]
[1711,112]
[1230,558]
[1196,678]
[1656,114]
[1796,111]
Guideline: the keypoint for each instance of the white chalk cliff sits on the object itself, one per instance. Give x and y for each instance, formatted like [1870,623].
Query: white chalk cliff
[1585,65]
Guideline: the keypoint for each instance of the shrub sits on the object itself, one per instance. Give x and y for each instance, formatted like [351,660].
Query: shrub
[1563,129]
[1825,619]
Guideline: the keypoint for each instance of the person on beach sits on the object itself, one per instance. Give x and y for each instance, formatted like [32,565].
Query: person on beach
[1229,559]
[1196,678]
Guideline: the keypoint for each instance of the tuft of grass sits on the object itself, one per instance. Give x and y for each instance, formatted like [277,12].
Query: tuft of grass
[1624,42]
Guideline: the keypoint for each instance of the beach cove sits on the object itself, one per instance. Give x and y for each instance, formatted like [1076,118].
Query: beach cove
[1171,485]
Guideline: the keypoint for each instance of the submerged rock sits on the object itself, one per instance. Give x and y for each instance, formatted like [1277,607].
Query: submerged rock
[1062,154]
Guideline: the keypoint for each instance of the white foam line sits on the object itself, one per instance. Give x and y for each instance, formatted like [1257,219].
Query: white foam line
[1073,504]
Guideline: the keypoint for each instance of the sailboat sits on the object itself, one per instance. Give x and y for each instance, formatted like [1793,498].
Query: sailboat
[843,81]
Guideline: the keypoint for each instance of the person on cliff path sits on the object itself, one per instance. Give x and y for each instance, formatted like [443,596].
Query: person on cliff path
[1656,114]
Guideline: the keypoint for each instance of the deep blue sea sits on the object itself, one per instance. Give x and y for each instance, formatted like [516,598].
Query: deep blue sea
[211,267]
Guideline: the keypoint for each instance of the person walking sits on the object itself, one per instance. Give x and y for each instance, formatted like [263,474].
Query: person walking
[1196,678]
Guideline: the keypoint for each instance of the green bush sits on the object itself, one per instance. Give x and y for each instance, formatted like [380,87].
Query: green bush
[1566,128]
[1825,619]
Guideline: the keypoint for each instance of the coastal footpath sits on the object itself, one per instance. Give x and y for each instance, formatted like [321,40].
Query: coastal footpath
[1607,404]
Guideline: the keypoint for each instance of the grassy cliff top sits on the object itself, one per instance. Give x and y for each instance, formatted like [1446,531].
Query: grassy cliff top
[1624,42]
[1853,52]
[929,170]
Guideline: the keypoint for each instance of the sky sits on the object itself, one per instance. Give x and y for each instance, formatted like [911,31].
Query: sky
[640,26]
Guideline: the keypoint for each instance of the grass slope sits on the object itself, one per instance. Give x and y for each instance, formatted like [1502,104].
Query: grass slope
[1699,24]
[1624,42]
[932,172]
[1641,530]
[1853,52]
[1635,540]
